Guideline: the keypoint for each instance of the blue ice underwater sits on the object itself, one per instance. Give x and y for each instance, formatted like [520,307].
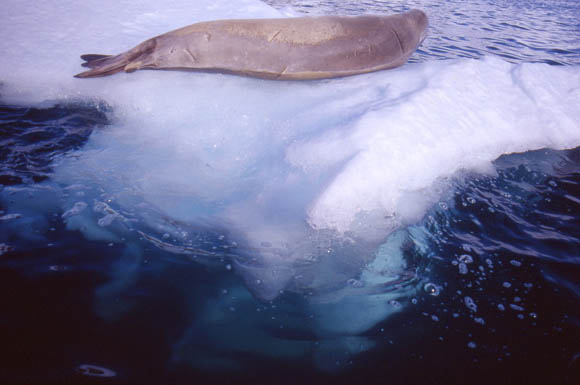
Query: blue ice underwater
[315,194]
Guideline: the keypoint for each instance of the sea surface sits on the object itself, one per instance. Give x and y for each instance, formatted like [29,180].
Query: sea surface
[125,259]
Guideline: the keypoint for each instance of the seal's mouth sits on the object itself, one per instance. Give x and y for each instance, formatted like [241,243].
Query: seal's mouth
[425,22]
[423,36]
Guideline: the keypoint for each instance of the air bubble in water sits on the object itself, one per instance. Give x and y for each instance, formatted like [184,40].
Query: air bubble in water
[395,304]
[470,304]
[77,208]
[354,282]
[465,258]
[95,371]
[516,307]
[462,268]
[431,289]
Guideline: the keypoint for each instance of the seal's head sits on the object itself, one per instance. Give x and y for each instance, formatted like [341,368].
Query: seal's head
[420,21]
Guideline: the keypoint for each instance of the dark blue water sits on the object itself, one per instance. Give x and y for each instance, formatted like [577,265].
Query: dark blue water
[496,263]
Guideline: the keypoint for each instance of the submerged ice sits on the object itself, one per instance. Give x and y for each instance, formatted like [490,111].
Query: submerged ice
[305,185]
[293,172]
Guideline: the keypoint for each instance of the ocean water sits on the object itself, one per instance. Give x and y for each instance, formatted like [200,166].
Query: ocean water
[419,225]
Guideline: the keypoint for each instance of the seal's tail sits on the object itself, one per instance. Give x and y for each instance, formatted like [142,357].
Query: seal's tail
[104,65]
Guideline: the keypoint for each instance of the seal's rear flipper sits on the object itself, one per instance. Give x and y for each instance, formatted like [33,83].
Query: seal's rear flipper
[129,61]
[102,65]
[92,56]
[93,60]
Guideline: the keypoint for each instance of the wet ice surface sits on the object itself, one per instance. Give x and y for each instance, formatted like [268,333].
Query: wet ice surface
[354,229]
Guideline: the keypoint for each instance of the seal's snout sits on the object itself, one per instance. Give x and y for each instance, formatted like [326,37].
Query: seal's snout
[421,23]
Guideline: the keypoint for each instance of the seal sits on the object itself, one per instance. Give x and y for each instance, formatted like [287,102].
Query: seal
[285,48]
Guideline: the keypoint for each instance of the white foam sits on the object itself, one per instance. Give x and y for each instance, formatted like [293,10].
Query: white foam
[274,162]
